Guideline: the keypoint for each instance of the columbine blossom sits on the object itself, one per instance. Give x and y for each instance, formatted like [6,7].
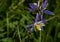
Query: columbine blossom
[37,24]
[34,6]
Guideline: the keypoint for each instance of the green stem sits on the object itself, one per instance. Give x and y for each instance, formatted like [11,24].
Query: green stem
[56,30]
[19,34]
[40,36]
[7,21]
[52,18]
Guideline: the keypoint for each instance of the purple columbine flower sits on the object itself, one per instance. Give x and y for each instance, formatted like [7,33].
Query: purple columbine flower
[34,7]
[37,24]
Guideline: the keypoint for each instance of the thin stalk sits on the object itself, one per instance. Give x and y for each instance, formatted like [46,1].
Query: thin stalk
[7,21]
[19,34]
[56,30]
[40,36]
[20,2]
[48,31]
[52,18]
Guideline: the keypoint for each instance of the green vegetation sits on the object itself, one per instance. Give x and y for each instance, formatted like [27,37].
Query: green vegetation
[14,16]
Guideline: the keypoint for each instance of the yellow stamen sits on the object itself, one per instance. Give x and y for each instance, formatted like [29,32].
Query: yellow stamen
[38,26]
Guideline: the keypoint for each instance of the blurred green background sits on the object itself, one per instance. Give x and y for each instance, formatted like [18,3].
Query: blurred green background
[14,15]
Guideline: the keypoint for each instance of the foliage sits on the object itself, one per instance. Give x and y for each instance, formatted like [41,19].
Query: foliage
[14,16]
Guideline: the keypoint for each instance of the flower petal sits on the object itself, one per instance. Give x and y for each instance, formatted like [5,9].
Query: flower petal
[33,6]
[31,29]
[44,21]
[41,16]
[31,10]
[37,16]
[42,24]
[45,4]
[48,12]
[30,26]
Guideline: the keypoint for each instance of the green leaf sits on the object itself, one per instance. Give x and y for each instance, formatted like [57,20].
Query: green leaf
[7,40]
[58,35]
[4,4]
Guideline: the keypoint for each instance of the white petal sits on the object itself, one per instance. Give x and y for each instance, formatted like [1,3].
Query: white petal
[42,24]
[35,3]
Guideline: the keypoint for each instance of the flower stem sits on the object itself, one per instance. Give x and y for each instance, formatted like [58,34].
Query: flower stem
[52,18]
[19,34]
[7,21]
[40,36]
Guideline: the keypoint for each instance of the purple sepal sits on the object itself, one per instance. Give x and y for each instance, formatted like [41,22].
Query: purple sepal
[47,12]
[44,21]
[37,17]
[30,26]
[31,29]
[45,4]
[31,10]
[41,16]
[33,6]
